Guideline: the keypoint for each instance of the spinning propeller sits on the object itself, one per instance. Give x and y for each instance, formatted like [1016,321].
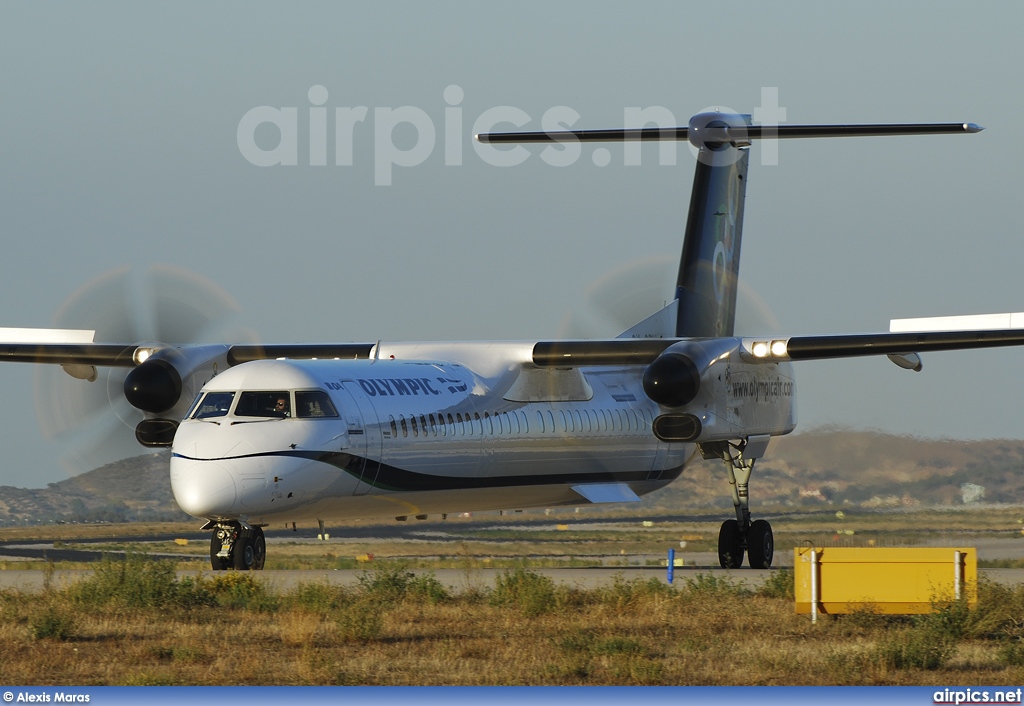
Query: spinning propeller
[635,290]
[155,308]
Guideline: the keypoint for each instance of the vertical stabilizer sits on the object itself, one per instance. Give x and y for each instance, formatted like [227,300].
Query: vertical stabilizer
[709,267]
[705,303]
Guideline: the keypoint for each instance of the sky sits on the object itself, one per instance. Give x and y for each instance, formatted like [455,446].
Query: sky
[130,137]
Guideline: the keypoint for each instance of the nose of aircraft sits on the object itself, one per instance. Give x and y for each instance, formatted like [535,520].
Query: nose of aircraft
[202,488]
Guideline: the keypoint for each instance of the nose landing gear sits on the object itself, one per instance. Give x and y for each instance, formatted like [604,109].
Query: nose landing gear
[233,546]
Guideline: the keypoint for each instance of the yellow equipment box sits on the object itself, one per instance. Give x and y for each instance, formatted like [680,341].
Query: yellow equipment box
[883,580]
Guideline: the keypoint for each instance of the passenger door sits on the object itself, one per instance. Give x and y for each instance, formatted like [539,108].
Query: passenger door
[364,436]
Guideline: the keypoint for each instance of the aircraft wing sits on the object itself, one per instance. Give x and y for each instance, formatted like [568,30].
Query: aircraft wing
[778,348]
[126,355]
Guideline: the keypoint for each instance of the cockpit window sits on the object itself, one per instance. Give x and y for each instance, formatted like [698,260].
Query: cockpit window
[195,405]
[264,404]
[314,403]
[215,404]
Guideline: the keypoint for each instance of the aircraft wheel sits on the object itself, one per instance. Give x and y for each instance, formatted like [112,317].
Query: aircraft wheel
[218,563]
[259,545]
[243,554]
[730,545]
[760,545]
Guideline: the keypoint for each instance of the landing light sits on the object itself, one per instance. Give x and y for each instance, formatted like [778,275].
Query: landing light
[759,349]
[142,355]
[778,348]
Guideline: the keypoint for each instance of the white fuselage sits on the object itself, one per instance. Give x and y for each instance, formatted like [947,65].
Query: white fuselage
[413,433]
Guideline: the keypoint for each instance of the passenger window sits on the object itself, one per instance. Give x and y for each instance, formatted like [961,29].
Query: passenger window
[394,427]
[215,404]
[415,431]
[478,423]
[314,403]
[263,404]
[405,427]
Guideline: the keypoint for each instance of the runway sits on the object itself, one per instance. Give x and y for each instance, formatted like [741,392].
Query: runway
[989,548]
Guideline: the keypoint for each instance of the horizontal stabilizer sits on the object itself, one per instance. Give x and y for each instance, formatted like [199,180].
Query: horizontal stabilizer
[731,134]
[607,492]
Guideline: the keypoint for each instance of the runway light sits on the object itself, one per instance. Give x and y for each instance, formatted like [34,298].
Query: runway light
[779,348]
[759,349]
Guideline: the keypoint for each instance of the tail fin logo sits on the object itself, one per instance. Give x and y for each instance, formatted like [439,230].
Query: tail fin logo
[725,247]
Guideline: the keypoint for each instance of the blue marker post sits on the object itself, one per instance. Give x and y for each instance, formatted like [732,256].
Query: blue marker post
[671,564]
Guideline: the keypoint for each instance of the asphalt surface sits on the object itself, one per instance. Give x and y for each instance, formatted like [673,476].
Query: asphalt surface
[455,532]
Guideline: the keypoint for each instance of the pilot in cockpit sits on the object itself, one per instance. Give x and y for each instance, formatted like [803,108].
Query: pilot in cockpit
[281,407]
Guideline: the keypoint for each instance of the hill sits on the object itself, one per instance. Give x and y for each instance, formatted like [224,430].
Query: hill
[135,489]
[863,468]
[811,469]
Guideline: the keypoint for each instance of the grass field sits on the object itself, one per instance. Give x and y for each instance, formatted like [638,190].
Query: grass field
[133,622]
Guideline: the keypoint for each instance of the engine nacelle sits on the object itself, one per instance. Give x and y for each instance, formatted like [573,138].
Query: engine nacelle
[165,382]
[154,386]
[674,378]
[710,392]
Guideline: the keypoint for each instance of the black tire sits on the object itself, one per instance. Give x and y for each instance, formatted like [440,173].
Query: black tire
[259,544]
[760,545]
[217,562]
[730,545]
[243,554]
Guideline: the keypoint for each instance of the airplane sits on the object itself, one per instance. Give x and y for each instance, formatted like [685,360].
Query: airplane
[288,433]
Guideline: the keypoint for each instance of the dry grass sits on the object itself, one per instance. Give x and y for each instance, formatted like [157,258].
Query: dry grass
[134,623]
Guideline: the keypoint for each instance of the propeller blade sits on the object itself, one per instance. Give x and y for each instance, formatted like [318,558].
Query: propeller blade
[158,306]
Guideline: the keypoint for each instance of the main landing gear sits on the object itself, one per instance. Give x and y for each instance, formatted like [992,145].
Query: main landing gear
[233,546]
[740,536]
